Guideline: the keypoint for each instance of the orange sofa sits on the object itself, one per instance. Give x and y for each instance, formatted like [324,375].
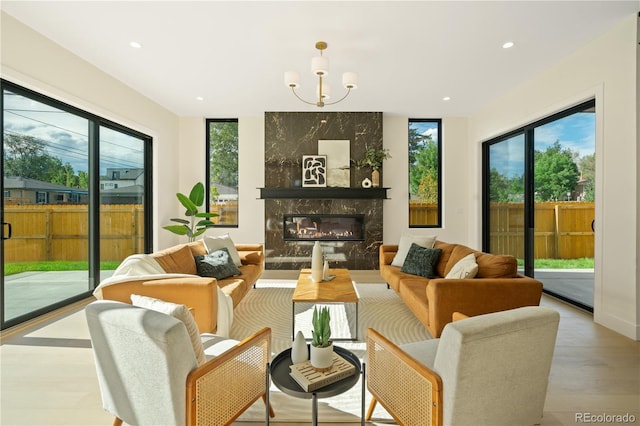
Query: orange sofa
[497,286]
[182,285]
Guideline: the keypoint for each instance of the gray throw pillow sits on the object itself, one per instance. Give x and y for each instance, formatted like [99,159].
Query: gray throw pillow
[421,261]
[217,264]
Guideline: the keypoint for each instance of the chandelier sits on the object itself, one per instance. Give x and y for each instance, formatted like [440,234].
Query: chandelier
[320,68]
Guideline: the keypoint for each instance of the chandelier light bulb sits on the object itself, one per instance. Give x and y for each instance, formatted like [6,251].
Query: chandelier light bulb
[320,66]
[292,79]
[326,91]
[350,80]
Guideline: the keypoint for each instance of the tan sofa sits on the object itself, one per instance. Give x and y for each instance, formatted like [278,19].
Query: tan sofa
[200,294]
[496,287]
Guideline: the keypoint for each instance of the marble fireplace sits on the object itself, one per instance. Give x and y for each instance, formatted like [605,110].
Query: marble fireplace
[354,212]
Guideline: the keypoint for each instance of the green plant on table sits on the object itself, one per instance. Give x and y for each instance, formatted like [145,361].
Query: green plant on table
[373,157]
[196,222]
[321,332]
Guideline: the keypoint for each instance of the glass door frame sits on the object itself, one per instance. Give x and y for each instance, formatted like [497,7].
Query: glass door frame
[95,122]
[529,189]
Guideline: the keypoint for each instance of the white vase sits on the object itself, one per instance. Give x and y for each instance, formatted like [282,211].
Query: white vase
[316,262]
[322,358]
[299,351]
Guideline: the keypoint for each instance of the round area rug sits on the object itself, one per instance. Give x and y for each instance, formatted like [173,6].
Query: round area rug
[269,305]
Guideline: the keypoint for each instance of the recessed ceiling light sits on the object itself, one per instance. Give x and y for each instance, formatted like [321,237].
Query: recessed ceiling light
[199,98]
[135,45]
[507,45]
[446,98]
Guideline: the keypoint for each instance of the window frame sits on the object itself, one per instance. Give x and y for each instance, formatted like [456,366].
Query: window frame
[208,121]
[438,121]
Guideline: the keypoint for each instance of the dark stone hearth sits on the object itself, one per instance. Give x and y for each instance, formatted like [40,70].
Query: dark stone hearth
[289,136]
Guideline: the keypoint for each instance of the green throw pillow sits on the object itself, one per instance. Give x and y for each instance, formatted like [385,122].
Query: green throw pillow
[421,261]
[217,264]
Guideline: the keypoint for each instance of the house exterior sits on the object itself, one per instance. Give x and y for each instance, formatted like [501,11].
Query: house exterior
[21,191]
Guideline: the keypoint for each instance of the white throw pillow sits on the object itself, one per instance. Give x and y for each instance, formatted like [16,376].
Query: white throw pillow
[180,312]
[404,245]
[464,268]
[224,241]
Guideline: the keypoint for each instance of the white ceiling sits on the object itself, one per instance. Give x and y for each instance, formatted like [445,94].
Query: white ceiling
[408,55]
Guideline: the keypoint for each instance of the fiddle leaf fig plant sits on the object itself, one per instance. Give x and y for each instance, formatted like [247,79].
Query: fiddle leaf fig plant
[197,222]
[321,333]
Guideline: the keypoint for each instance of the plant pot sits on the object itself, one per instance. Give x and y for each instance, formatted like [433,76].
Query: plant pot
[375,178]
[322,358]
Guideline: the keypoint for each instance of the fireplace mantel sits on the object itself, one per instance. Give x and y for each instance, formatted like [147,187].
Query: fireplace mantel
[323,193]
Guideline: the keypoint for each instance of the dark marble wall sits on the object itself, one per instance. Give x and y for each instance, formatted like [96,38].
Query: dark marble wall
[289,136]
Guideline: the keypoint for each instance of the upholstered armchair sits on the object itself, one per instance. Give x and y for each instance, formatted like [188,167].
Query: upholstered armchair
[489,369]
[149,373]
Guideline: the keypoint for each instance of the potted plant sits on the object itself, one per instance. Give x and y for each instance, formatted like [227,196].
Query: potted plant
[196,222]
[373,157]
[321,344]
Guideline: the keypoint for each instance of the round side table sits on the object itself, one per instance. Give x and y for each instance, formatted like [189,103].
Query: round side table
[280,376]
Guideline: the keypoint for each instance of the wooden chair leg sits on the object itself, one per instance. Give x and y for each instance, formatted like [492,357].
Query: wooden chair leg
[372,406]
[271,412]
[117,422]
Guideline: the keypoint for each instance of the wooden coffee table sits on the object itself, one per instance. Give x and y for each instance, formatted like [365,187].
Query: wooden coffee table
[338,290]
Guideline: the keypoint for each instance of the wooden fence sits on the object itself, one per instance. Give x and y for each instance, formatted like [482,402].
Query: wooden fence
[59,232]
[562,229]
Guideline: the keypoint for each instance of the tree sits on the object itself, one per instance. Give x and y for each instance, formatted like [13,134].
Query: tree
[587,167]
[26,156]
[423,167]
[555,173]
[223,138]
[503,189]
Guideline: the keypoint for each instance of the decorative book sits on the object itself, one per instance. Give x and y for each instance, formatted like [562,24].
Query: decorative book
[310,380]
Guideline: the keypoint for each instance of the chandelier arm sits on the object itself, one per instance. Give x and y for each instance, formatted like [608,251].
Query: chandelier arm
[306,102]
[339,100]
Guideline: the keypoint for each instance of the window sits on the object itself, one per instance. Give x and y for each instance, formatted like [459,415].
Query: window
[222,173]
[54,155]
[425,136]
[539,201]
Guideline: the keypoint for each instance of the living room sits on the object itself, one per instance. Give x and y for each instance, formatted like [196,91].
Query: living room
[604,68]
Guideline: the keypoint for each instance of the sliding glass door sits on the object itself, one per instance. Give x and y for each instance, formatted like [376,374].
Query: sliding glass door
[75,202]
[45,149]
[539,201]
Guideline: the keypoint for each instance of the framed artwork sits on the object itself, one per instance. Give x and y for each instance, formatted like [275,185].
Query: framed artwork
[314,170]
[338,161]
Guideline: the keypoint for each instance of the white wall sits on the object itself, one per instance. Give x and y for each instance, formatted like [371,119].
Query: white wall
[604,69]
[37,63]
[455,181]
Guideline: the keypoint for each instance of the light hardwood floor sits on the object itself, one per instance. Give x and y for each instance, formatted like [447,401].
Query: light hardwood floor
[46,377]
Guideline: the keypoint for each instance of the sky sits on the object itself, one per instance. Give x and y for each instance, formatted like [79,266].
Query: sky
[576,132]
[65,135]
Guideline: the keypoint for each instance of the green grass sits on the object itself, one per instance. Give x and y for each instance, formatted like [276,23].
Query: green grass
[582,263]
[53,265]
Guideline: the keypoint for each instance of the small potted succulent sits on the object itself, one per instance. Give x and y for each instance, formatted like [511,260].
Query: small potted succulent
[321,344]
